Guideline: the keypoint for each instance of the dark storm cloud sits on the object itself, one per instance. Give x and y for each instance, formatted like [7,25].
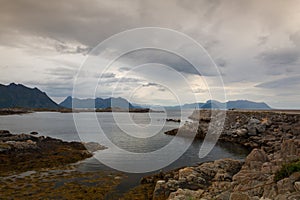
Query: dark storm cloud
[169,59]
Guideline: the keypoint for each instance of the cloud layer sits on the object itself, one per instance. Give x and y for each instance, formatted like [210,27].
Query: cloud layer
[256,45]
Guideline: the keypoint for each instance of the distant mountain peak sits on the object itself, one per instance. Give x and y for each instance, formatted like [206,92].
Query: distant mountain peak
[17,95]
[236,104]
[119,102]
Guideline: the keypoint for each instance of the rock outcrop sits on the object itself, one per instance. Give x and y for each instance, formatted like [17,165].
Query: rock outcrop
[270,171]
[228,179]
[21,152]
[252,129]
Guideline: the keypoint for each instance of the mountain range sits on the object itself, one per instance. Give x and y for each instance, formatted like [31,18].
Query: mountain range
[119,102]
[20,96]
[213,104]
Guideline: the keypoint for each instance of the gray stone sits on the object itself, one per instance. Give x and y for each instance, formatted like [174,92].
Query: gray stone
[255,126]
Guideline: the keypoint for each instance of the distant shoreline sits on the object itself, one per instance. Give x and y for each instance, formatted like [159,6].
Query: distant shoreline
[18,111]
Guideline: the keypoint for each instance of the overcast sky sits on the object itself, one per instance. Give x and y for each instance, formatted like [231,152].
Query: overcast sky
[256,45]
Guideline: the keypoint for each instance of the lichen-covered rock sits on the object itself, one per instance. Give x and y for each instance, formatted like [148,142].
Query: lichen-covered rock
[161,191]
[186,194]
[23,152]
[19,146]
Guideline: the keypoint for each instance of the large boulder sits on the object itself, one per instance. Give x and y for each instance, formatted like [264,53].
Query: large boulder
[255,127]
[290,150]
[256,159]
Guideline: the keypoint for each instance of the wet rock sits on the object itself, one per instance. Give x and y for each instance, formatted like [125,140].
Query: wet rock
[94,146]
[4,133]
[23,152]
[173,120]
[34,133]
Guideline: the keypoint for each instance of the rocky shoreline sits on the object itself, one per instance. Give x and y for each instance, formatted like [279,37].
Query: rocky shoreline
[270,171]
[23,152]
[38,167]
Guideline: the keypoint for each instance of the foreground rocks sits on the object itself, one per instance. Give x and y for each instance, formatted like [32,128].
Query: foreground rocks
[229,179]
[252,129]
[64,182]
[22,152]
[275,142]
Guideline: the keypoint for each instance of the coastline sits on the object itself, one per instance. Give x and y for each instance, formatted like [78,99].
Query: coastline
[38,167]
[274,141]
[16,111]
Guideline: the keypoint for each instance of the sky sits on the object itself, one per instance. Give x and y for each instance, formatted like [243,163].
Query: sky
[254,44]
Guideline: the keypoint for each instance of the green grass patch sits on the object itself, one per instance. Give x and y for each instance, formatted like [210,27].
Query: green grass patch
[287,170]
